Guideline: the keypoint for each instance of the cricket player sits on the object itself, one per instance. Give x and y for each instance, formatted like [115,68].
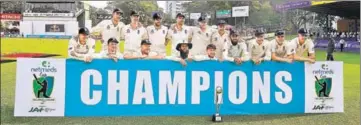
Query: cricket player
[302,48]
[201,36]
[157,35]
[259,49]
[236,50]
[219,38]
[111,52]
[183,53]
[178,33]
[110,28]
[143,53]
[133,34]
[279,48]
[81,47]
[211,54]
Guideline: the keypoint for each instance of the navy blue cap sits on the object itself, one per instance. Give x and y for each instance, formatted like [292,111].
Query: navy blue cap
[84,30]
[180,15]
[145,42]
[279,32]
[221,22]
[259,32]
[134,13]
[112,40]
[157,16]
[234,32]
[117,10]
[302,31]
[201,19]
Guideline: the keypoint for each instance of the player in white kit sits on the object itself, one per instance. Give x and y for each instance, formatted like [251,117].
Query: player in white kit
[220,38]
[179,33]
[133,34]
[302,47]
[259,48]
[211,54]
[280,48]
[110,28]
[157,35]
[111,52]
[81,47]
[201,36]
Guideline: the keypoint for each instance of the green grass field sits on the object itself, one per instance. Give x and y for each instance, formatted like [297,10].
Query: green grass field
[351,116]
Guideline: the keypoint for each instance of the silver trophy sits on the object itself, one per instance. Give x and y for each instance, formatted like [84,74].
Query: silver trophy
[216,117]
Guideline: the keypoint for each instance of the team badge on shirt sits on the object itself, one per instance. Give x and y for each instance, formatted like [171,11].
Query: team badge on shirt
[304,47]
[138,31]
[128,30]
[108,27]
[199,32]
[185,31]
[225,40]
[284,48]
[152,31]
[263,48]
[78,46]
[215,39]
[163,31]
[118,29]
[207,35]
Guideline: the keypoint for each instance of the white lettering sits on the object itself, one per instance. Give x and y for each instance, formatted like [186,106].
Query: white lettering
[166,85]
[114,86]
[232,87]
[284,87]
[197,87]
[85,87]
[143,80]
[261,88]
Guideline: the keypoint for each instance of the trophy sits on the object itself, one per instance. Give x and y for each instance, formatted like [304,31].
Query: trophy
[216,117]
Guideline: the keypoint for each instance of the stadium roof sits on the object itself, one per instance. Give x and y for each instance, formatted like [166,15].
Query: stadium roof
[346,9]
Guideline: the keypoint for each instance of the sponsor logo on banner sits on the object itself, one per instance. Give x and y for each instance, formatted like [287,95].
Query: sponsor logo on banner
[323,88]
[43,85]
[40,87]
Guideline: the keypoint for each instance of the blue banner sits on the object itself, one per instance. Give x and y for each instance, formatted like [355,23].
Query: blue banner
[166,88]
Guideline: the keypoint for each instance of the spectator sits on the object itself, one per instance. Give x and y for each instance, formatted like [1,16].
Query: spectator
[330,49]
[342,43]
[343,35]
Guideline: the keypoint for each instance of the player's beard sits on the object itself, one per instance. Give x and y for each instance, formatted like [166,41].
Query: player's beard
[234,42]
[184,54]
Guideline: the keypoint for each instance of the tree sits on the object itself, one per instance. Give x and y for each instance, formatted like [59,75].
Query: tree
[11,6]
[93,14]
[145,9]
[321,20]
[298,18]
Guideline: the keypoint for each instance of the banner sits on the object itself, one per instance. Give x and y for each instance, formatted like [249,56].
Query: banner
[242,11]
[10,16]
[195,16]
[48,14]
[54,28]
[165,88]
[223,14]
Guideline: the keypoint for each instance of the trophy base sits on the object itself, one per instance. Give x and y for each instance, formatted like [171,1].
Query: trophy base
[216,118]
